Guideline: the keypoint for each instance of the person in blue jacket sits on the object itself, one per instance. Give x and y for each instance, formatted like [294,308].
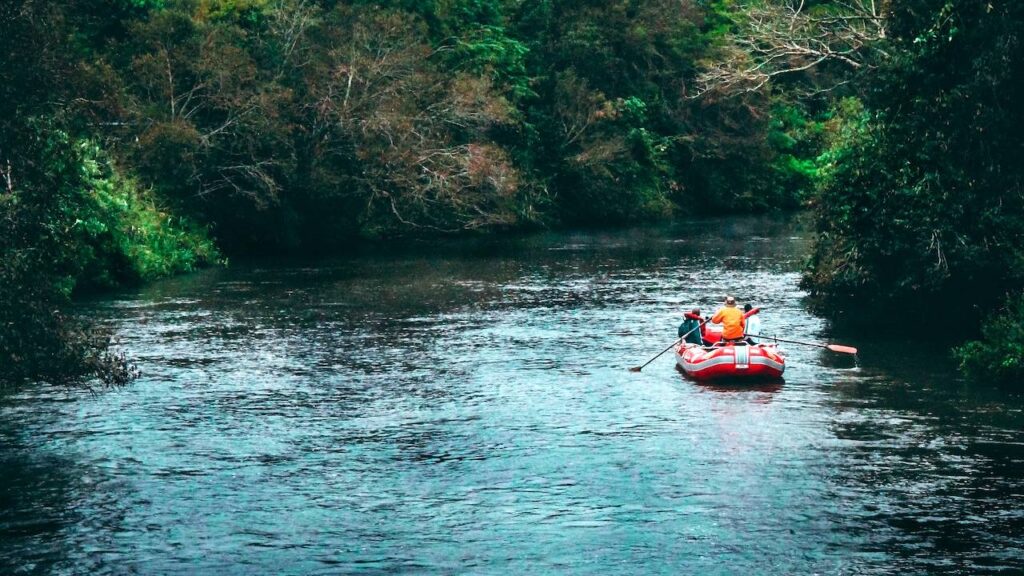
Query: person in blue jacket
[691,327]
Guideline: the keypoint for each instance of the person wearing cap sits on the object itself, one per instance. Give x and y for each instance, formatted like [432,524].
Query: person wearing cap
[731,319]
[692,327]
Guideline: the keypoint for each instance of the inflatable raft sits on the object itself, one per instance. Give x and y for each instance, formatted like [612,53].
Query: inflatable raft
[731,361]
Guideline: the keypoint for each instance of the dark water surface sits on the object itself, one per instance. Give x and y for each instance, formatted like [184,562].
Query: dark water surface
[467,409]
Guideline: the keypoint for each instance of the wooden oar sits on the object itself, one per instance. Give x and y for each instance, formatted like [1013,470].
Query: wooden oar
[833,347]
[683,337]
[656,356]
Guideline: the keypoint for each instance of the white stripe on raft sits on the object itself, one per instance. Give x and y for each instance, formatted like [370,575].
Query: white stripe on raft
[742,357]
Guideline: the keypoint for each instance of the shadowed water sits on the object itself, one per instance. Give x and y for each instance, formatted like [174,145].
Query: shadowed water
[466,408]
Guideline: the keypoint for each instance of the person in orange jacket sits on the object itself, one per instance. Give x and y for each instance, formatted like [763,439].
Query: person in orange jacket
[731,319]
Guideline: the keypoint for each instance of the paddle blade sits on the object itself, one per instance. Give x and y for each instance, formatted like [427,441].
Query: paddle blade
[842,349]
[636,368]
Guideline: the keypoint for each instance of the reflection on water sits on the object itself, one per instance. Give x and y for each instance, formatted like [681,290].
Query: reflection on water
[755,391]
[466,408]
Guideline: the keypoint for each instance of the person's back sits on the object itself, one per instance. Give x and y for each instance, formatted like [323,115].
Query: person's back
[753,326]
[689,330]
[731,320]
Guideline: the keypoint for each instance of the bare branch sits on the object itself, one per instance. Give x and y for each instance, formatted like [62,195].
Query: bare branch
[777,38]
[8,179]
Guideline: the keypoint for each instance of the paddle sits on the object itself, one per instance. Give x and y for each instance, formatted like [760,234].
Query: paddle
[678,340]
[681,338]
[833,347]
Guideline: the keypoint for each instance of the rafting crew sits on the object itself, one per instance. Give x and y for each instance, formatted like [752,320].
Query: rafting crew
[737,326]
[702,356]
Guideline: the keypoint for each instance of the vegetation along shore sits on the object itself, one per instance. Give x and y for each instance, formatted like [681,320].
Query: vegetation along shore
[145,138]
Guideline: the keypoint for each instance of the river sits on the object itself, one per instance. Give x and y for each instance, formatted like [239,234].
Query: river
[466,408]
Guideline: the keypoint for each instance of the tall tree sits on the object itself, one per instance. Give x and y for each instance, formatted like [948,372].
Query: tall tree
[926,200]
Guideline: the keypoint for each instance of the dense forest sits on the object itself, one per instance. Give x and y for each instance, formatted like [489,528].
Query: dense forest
[143,138]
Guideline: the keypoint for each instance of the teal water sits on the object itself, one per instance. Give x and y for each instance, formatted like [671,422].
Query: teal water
[466,408]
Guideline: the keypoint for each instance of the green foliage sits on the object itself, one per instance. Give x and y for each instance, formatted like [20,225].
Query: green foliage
[111,231]
[124,235]
[796,139]
[617,179]
[458,14]
[999,357]
[288,123]
[927,206]
[73,221]
[244,11]
[750,153]
[43,251]
[146,4]
[285,122]
[616,132]
[487,50]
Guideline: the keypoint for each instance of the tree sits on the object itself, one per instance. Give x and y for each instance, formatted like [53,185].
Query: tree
[209,129]
[419,139]
[924,204]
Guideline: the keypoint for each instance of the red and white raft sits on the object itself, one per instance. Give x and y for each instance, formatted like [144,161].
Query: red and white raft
[731,362]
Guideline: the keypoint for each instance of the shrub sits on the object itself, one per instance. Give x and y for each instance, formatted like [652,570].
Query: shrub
[127,234]
[999,356]
[70,219]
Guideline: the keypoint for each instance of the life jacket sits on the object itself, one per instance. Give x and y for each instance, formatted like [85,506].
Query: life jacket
[692,316]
